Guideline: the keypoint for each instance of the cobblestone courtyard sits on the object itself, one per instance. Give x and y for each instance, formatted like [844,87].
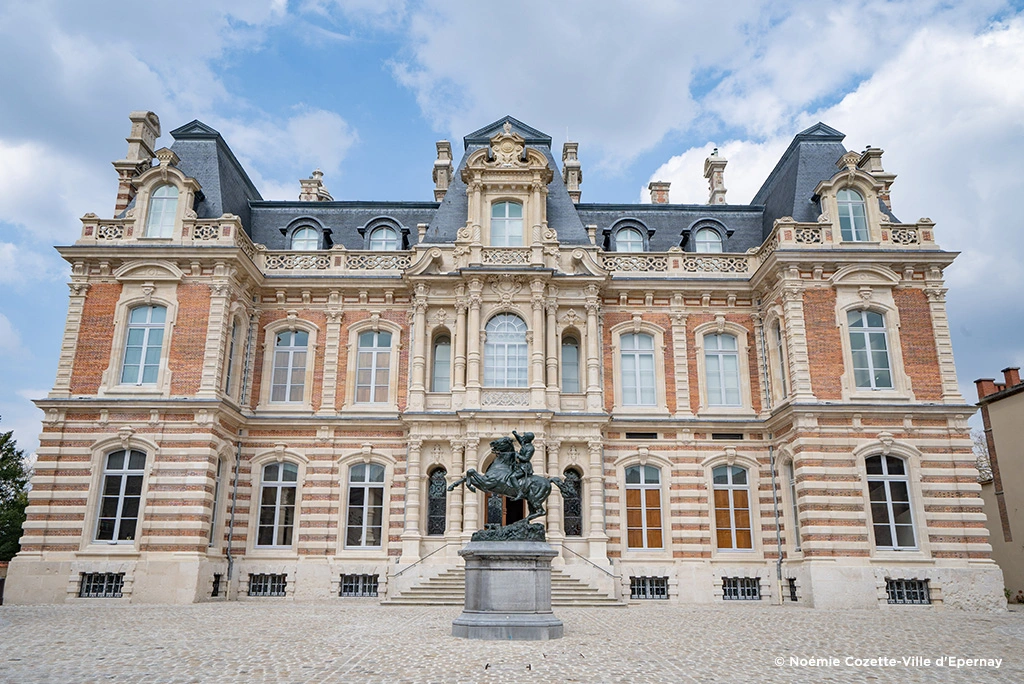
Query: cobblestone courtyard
[365,642]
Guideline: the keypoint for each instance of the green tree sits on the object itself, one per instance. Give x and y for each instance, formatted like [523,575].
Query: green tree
[14,477]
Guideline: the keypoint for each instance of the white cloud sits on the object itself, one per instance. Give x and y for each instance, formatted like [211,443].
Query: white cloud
[748,165]
[20,267]
[10,340]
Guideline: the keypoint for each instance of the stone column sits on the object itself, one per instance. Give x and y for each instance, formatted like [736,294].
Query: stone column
[473,344]
[796,341]
[455,499]
[411,536]
[943,345]
[555,531]
[681,363]
[537,346]
[459,350]
[417,389]
[761,353]
[216,335]
[593,352]
[332,345]
[69,343]
[596,537]
[551,336]
[471,508]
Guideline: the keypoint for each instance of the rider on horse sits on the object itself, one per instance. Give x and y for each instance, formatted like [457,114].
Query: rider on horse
[523,469]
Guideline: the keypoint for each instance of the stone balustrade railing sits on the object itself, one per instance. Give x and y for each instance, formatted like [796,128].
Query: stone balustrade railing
[332,261]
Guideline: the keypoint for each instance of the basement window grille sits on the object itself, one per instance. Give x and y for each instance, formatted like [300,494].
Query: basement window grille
[263,584]
[727,435]
[641,435]
[908,591]
[358,585]
[792,589]
[101,585]
[215,592]
[648,587]
[741,589]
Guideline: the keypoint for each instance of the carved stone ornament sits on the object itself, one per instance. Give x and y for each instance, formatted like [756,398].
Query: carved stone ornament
[125,435]
[505,286]
[507,148]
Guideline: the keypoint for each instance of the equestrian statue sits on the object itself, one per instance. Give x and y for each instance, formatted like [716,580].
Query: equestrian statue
[511,474]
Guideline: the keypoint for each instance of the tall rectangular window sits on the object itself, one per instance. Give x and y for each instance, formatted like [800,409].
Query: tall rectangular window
[163,208]
[121,496]
[732,508]
[506,224]
[289,375]
[373,367]
[216,500]
[277,504]
[505,352]
[570,365]
[870,350]
[643,507]
[795,510]
[853,222]
[365,521]
[889,492]
[441,378]
[722,368]
[143,345]
[637,355]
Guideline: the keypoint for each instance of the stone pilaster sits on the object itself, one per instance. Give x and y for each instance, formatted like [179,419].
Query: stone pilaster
[332,346]
[459,351]
[473,344]
[555,530]
[682,372]
[796,342]
[411,536]
[537,347]
[471,509]
[593,352]
[417,388]
[455,500]
[218,323]
[943,344]
[551,339]
[596,536]
[69,343]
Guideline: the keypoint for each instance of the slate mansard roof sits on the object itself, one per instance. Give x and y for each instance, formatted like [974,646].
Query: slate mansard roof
[788,191]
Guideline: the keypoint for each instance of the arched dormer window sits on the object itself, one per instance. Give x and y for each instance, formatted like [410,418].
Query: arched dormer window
[853,221]
[707,240]
[384,239]
[506,224]
[629,239]
[306,239]
[163,208]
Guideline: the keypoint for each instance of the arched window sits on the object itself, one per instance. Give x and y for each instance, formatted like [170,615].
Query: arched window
[306,239]
[570,365]
[384,238]
[143,345]
[505,352]
[779,350]
[795,509]
[732,508]
[506,224]
[572,503]
[163,207]
[629,240]
[122,495]
[870,350]
[437,501]
[373,367]
[277,504]
[722,366]
[889,492]
[289,375]
[441,378]
[643,507]
[853,222]
[638,381]
[365,520]
[707,240]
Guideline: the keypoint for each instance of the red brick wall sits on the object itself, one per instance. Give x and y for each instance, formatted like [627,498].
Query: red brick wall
[824,344]
[95,336]
[917,337]
[188,341]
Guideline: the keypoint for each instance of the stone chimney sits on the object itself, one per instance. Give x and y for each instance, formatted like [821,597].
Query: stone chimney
[871,162]
[659,191]
[313,189]
[1011,376]
[442,169]
[572,172]
[714,171]
[141,141]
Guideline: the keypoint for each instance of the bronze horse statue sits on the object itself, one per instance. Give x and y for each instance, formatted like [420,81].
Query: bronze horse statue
[505,476]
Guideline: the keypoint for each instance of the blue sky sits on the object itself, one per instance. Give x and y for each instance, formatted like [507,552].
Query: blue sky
[362,89]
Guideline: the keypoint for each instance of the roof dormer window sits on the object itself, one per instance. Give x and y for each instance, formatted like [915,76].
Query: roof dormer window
[852,215]
[163,206]
[629,240]
[305,239]
[384,239]
[506,224]
[708,240]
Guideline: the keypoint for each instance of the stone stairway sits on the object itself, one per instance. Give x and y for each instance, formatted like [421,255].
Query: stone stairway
[449,589]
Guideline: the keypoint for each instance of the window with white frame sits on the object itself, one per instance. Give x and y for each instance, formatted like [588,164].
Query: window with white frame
[365,521]
[306,239]
[373,367]
[643,507]
[870,350]
[163,207]
[707,240]
[732,508]
[629,240]
[638,377]
[889,494]
[506,224]
[441,377]
[384,238]
[722,369]
[794,508]
[143,345]
[779,349]
[853,222]
[216,500]
[505,352]
[570,365]
[121,496]
[278,491]
[288,383]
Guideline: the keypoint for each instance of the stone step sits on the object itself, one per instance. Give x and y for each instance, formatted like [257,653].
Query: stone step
[448,588]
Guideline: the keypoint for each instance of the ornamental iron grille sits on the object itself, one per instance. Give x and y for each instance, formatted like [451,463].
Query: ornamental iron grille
[908,591]
[215,590]
[741,589]
[642,588]
[436,501]
[495,508]
[101,585]
[572,505]
[791,581]
[358,585]
[263,584]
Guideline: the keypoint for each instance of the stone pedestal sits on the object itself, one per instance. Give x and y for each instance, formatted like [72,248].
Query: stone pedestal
[508,592]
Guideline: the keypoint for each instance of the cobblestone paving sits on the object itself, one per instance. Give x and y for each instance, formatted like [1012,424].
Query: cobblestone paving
[360,641]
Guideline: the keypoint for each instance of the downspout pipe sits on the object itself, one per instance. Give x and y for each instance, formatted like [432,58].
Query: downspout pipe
[771,456]
[253,318]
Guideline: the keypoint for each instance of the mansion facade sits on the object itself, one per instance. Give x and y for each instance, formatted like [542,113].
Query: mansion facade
[268,398]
